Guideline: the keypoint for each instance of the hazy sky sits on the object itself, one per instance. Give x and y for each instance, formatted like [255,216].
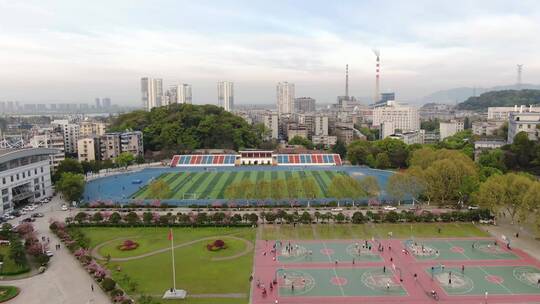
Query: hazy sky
[74,50]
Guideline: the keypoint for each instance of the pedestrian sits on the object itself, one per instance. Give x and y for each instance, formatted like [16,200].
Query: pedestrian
[387,285]
[449,280]
[384,269]
[353,261]
[391,259]
[462,268]
[92,287]
[292,287]
[415,277]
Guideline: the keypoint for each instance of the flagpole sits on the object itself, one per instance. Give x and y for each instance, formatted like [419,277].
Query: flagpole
[172,254]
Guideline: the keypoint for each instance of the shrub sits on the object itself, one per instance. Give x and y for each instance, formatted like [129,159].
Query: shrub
[108,284]
[216,245]
[116,292]
[128,245]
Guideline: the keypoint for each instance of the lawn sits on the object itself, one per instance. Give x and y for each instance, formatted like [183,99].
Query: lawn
[212,185]
[9,267]
[8,292]
[366,231]
[198,270]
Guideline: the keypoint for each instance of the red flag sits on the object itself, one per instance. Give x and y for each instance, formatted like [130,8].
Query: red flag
[170,236]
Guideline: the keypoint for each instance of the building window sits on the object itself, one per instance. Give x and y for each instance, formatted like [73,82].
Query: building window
[17,176]
[3,180]
[35,171]
[23,174]
[11,178]
[41,169]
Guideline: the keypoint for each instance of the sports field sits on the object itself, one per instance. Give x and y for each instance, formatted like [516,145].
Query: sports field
[213,184]
[388,270]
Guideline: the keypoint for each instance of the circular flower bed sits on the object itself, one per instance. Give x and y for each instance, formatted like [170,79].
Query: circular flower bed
[216,245]
[128,245]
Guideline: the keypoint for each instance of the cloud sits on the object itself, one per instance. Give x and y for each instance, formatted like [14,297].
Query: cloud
[99,49]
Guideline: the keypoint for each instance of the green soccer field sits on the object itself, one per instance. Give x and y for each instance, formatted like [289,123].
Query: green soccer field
[213,185]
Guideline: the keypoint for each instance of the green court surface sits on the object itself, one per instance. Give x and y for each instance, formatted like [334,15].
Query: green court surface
[212,184]
[338,282]
[496,280]
[307,252]
[458,250]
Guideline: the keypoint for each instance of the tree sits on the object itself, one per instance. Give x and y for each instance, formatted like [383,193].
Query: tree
[396,151]
[382,161]
[340,149]
[370,185]
[506,193]
[115,218]
[310,189]
[124,159]
[530,209]
[494,159]
[299,140]
[358,152]
[397,186]
[358,217]
[16,252]
[71,185]
[68,165]
[305,218]
[159,189]
[444,179]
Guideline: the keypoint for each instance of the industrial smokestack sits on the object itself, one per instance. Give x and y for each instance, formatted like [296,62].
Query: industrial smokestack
[347,81]
[377,78]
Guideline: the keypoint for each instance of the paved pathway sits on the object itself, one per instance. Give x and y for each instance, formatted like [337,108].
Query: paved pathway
[249,248]
[65,281]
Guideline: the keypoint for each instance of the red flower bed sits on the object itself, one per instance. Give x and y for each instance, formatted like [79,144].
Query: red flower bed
[216,245]
[128,245]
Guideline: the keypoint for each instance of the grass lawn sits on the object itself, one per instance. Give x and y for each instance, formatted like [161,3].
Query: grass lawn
[9,266]
[366,231]
[197,271]
[8,292]
[212,185]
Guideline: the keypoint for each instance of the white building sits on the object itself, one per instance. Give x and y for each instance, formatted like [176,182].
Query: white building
[528,122]
[403,117]
[70,131]
[271,122]
[88,148]
[285,97]
[52,140]
[447,129]
[25,176]
[226,95]
[410,137]
[88,128]
[487,128]
[503,113]
[183,92]
[151,92]
[325,140]
[387,129]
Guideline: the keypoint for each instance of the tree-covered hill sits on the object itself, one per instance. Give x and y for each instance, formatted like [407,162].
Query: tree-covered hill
[505,98]
[184,127]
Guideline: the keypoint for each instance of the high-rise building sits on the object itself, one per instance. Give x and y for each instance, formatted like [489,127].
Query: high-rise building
[304,104]
[98,103]
[226,95]
[106,102]
[172,94]
[402,117]
[271,122]
[183,92]
[70,132]
[151,92]
[285,97]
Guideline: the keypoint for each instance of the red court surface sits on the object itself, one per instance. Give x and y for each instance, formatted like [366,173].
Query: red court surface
[416,291]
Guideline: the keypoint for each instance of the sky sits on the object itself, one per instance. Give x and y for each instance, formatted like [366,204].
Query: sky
[74,50]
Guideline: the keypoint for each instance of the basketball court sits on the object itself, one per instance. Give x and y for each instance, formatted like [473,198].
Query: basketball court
[464,270]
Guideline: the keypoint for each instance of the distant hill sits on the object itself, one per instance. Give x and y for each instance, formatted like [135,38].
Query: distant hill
[456,95]
[506,98]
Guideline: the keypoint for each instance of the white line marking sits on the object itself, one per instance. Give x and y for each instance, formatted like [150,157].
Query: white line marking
[335,272]
[500,284]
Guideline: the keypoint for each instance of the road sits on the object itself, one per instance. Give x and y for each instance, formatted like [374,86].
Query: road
[65,281]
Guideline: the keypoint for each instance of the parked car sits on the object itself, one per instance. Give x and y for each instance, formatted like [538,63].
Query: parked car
[29,220]
[473,207]
[389,208]
[49,253]
[64,208]
[37,214]
[337,209]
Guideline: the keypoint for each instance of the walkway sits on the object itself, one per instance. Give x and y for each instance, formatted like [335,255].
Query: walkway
[65,281]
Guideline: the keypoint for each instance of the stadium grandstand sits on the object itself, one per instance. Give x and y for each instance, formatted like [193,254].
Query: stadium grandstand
[256,158]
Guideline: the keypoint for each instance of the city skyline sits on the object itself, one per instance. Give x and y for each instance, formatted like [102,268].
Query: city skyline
[72,52]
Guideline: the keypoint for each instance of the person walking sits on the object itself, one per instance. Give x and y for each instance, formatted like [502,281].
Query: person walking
[92,287]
